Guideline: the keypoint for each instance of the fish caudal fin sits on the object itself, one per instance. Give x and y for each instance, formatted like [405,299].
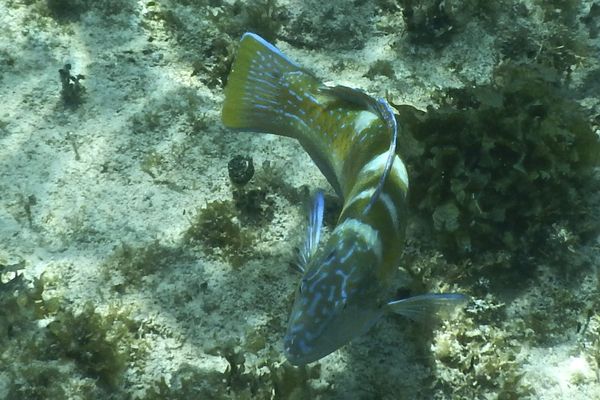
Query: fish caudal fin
[258,96]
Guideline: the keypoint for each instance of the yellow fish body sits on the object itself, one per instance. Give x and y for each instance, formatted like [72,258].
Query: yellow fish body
[352,139]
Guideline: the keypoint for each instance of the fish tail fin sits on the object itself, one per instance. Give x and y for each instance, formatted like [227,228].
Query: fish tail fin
[258,96]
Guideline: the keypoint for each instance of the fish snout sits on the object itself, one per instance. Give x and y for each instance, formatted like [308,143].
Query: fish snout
[295,349]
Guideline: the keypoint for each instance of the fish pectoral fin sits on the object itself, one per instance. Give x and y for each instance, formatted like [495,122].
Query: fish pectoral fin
[429,306]
[313,231]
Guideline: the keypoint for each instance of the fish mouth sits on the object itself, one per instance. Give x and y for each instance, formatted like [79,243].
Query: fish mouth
[298,353]
[292,350]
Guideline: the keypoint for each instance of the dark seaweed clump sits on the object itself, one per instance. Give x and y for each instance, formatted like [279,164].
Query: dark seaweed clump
[72,90]
[496,165]
[435,22]
[337,25]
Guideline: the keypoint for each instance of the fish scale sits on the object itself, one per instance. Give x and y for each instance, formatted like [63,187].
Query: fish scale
[351,137]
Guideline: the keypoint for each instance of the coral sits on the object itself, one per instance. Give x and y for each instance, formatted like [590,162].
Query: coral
[496,164]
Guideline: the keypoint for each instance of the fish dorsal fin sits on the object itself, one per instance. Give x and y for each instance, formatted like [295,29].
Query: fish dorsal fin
[381,108]
[313,230]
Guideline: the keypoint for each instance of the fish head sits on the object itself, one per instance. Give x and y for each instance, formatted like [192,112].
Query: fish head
[337,299]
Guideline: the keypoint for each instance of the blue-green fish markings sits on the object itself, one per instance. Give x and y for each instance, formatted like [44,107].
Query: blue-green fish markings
[351,137]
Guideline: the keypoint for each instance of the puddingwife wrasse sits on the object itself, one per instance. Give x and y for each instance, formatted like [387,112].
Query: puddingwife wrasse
[345,287]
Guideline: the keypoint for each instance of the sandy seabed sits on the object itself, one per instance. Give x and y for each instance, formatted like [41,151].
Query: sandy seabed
[129,272]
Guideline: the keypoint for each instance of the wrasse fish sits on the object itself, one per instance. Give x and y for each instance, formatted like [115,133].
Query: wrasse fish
[345,288]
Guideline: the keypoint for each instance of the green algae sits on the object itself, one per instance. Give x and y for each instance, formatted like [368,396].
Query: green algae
[99,344]
[496,164]
[128,265]
[436,22]
[46,338]
[332,25]
[217,227]
[479,357]
[381,68]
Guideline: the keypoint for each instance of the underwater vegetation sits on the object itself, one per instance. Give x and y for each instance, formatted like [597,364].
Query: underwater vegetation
[231,228]
[209,45]
[44,337]
[218,228]
[98,343]
[91,346]
[480,358]
[499,171]
[72,90]
[592,20]
[497,164]
[435,22]
[128,265]
[266,380]
[71,10]
[265,17]
[336,25]
[228,228]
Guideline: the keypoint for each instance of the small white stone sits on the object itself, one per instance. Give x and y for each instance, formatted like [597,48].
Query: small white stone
[579,371]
